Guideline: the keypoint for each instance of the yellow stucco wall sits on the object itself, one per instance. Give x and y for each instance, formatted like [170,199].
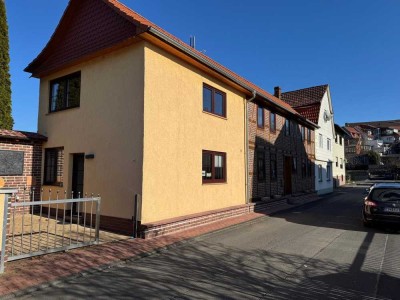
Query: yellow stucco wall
[108,123]
[176,130]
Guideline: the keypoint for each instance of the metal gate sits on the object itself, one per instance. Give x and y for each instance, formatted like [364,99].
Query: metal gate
[47,226]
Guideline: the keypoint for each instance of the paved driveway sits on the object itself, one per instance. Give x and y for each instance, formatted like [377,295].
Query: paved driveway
[318,251]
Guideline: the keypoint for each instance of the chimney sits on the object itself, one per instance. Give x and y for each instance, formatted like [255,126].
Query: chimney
[277,92]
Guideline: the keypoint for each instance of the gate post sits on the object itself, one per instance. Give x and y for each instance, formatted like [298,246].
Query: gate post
[4,222]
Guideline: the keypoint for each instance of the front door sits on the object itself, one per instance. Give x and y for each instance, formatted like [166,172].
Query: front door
[78,168]
[287,175]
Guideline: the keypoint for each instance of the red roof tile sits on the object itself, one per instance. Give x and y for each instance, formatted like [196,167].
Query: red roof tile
[310,112]
[305,96]
[20,135]
[82,46]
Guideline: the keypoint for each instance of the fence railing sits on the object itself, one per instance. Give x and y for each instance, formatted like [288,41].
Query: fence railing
[52,225]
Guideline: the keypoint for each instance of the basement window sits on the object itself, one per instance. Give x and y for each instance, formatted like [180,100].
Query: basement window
[65,92]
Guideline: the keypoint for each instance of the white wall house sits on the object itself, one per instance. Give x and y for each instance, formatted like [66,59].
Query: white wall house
[315,104]
[339,169]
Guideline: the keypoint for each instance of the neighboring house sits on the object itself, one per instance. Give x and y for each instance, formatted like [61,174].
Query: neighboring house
[315,104]
[339,168]
[129,110]
[281,151]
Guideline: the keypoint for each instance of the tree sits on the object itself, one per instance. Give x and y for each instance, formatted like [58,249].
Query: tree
[6,120]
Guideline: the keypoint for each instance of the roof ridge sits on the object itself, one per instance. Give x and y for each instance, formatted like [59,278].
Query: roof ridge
[307,88]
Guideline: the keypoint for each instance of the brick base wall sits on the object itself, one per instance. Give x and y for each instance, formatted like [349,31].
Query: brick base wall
[31,177]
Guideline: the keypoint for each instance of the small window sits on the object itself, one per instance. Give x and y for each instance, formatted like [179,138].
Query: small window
[336,139]
[274,174]
[260,166]
[214,167]
[328,172]
[320,173]
[53,166]
[303,168]
[303,134]
[321,141]
[272,122]
[260,117]
[337,161]
[328,144]
[341,163]
[287,127]
[309,168]
[294,165]
[309,135]
[340,140]
[214,101]
[65,92]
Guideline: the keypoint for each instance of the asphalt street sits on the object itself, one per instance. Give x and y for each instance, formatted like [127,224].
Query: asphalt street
[317,251]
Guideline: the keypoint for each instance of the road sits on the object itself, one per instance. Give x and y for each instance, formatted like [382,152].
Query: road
[318,251]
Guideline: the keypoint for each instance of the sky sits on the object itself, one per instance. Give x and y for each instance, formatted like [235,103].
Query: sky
[353,46]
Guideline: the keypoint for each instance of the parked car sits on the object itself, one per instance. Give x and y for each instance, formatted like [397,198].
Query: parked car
[382,204]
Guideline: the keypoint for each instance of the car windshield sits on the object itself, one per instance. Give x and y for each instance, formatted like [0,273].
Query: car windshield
[385,194]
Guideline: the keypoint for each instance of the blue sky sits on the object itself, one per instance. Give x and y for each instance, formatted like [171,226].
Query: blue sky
[353,46]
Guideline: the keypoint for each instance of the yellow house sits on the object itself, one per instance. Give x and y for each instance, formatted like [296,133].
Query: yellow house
[129,110]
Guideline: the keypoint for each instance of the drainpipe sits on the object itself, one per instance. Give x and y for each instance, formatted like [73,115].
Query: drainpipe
[247,144]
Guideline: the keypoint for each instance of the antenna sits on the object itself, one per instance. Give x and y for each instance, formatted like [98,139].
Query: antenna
[192,42]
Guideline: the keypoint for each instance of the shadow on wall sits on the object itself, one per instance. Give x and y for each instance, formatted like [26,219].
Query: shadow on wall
[280,164]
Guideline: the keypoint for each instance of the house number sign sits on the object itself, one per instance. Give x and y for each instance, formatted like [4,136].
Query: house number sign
[11,162]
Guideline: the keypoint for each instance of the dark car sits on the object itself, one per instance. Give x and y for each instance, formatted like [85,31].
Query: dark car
[382,204]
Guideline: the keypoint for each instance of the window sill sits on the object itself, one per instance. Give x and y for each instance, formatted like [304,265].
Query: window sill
[56,184]
[214,115]
[60,110]
[214,183]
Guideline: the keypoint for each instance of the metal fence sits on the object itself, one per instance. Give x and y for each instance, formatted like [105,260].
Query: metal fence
[52,224]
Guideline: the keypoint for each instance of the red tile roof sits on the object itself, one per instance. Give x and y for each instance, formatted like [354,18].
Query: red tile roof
[353,131]
[310,112]
[43,61]
[305,96]
[20,135]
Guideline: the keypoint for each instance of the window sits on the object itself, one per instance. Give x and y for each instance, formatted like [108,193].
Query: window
[341,163]
[340,140]
[320,173]
[294,165]
[65,92]
[328,144]
[321,141]
[272,122]
[214,167]
[337,161]
[309,168]
[328,172]
[214,101]
[303,168]
[274,174]
[260,166]
[303,133]
[260,117]
[53,166]
[287,127]
[309,135]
